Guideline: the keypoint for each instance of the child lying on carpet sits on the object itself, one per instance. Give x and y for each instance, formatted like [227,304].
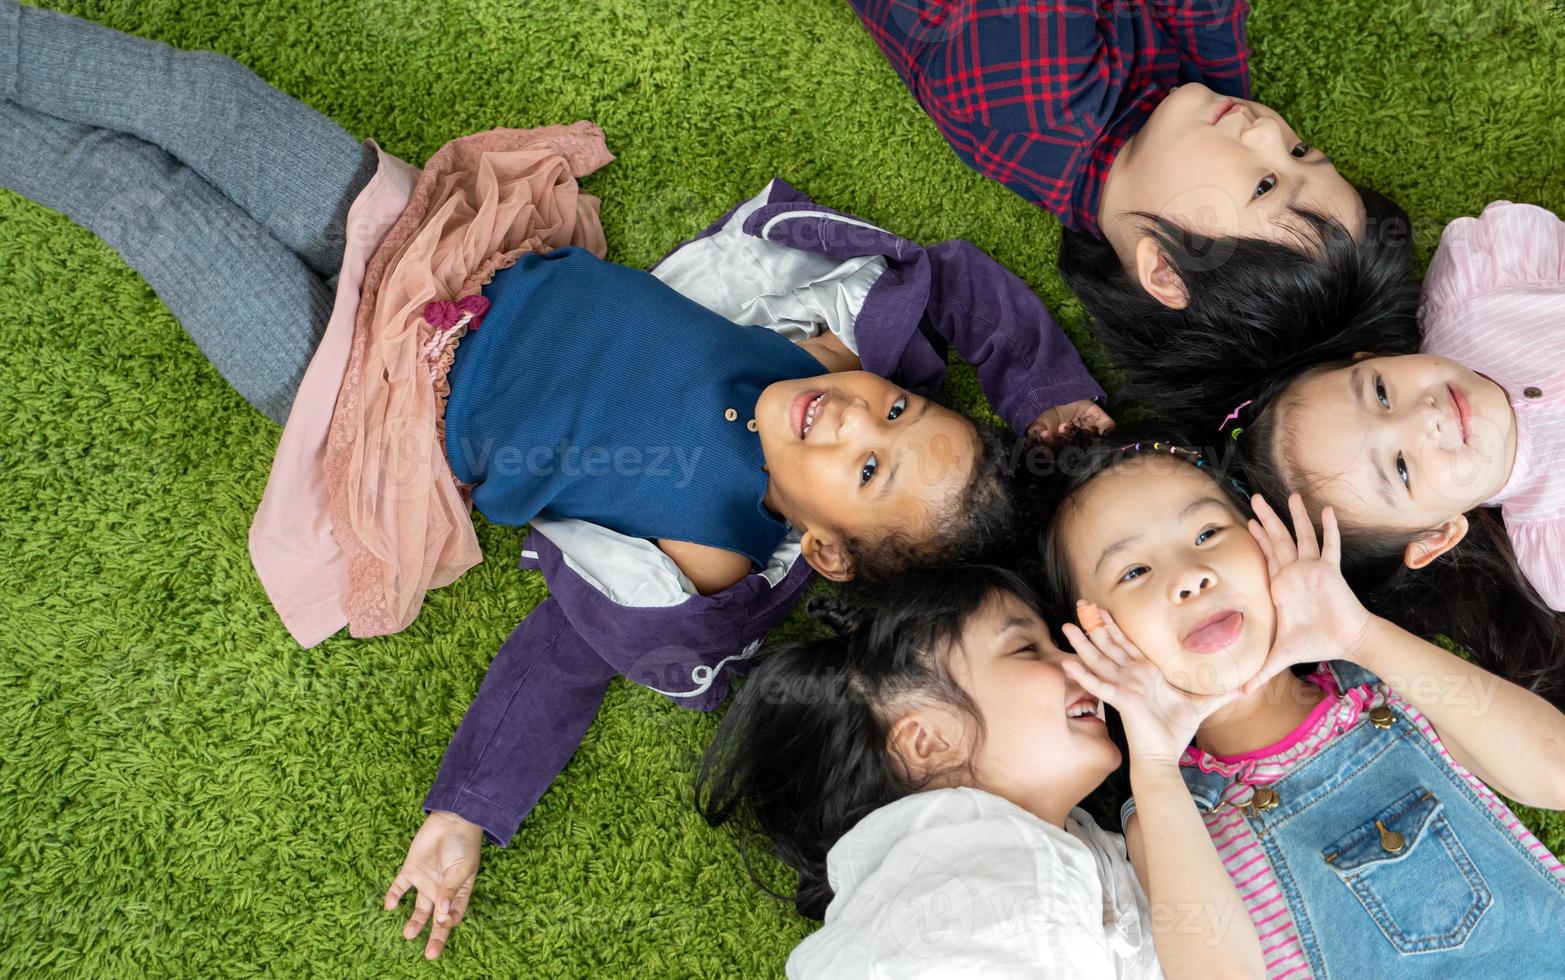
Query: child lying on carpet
[1188,208]
[1441,455]
[922,772]
[1352,807]
[454,314]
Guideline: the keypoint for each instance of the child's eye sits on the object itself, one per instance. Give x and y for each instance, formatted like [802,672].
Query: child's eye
[1134,573]
[868,472]
[1206,535]
[1402,473]
[1380,392]
[1029,648]
[897,408]
[1301,150]
[1265,186]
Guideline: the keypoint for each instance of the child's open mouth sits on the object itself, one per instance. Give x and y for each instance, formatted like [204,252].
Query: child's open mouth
[1085,708]
[805,407]
[1215,632]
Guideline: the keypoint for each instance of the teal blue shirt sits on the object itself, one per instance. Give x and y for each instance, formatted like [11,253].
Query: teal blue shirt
[594,391]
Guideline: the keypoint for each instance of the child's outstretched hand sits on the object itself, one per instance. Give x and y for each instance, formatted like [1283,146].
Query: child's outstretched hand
[1054,426]
[1318,616]
[1160,720]
[441,866]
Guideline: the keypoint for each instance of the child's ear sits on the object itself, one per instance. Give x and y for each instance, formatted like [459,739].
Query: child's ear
[924,742]
[827,556]
[1157,275]
[1436,543]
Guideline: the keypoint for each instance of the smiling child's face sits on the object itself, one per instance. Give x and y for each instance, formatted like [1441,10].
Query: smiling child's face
[1225,168]
[1045,744]
[1398,443]
[852,450]
[1158,544]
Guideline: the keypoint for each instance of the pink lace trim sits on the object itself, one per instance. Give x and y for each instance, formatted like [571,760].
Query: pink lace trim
[1331,718]
[373,603]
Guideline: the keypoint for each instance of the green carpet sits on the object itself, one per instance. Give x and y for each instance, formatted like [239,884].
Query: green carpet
[183,791]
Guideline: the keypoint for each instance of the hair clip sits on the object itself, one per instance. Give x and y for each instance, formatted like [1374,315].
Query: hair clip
[1234,415]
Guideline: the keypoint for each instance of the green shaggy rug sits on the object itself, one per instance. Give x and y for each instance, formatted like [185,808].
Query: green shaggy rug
[183,791]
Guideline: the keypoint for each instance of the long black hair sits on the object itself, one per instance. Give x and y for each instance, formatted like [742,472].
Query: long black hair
[803,753]
[1256,308]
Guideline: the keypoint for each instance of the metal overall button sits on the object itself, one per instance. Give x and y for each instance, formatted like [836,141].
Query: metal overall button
[1262,800]
[1381,717]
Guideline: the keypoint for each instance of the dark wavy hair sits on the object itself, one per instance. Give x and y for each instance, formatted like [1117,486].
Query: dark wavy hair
[974,525]
[803,753]
[1256,307]
[1475,595]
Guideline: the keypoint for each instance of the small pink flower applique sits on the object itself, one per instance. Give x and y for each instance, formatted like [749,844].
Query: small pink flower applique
[442,314]
[473,308]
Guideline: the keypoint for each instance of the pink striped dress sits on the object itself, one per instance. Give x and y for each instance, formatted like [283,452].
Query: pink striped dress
[1494,301]
[1240,849]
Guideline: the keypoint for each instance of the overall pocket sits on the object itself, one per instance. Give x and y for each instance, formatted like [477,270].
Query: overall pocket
[1407,868]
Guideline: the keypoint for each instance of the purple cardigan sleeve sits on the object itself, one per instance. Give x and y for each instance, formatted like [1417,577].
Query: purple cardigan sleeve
[1025,362]
[949,294]
[534,706]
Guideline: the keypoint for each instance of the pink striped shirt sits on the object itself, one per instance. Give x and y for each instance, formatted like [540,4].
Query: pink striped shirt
[1240,850]
[1494,301]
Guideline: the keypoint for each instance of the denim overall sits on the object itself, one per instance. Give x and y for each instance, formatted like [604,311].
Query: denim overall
[1391,864]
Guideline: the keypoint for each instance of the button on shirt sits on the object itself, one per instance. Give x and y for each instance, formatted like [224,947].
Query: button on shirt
[1494,301]
[1041,94]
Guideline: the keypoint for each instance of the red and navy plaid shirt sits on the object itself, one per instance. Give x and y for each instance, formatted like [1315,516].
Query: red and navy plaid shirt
[1041,94]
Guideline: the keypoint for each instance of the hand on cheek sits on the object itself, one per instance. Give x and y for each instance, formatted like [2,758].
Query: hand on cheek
[1318,616]
[1160,720]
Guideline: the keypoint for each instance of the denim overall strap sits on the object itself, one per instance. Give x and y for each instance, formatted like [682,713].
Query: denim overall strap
[1393,865]
[1349,675]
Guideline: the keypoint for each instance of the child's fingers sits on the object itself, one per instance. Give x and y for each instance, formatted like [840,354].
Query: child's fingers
[421,911]
[1094,622]
[399,887]
[1331,548]
[1091,656]
[1129,649]
[1264,540]
[1282,541]
[437,941]
[1303,527]
[1271,668]
[1104,690]
[1088,615]
[1097,420]
[459,905]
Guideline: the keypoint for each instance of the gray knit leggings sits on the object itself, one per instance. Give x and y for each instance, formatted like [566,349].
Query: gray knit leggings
[229,197]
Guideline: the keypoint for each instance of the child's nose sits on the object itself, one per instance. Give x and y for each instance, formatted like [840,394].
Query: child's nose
[1192,582]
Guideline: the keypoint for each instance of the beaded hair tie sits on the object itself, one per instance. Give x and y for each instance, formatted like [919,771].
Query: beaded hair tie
[1192,455]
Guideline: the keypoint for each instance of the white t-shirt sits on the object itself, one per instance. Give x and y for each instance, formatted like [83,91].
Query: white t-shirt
[963,883]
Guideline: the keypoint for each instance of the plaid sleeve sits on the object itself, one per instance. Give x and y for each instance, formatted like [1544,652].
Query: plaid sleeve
[1019,88]
[1210,36]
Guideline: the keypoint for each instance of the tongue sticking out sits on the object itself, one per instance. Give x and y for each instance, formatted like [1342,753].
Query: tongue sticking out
[1215,636]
